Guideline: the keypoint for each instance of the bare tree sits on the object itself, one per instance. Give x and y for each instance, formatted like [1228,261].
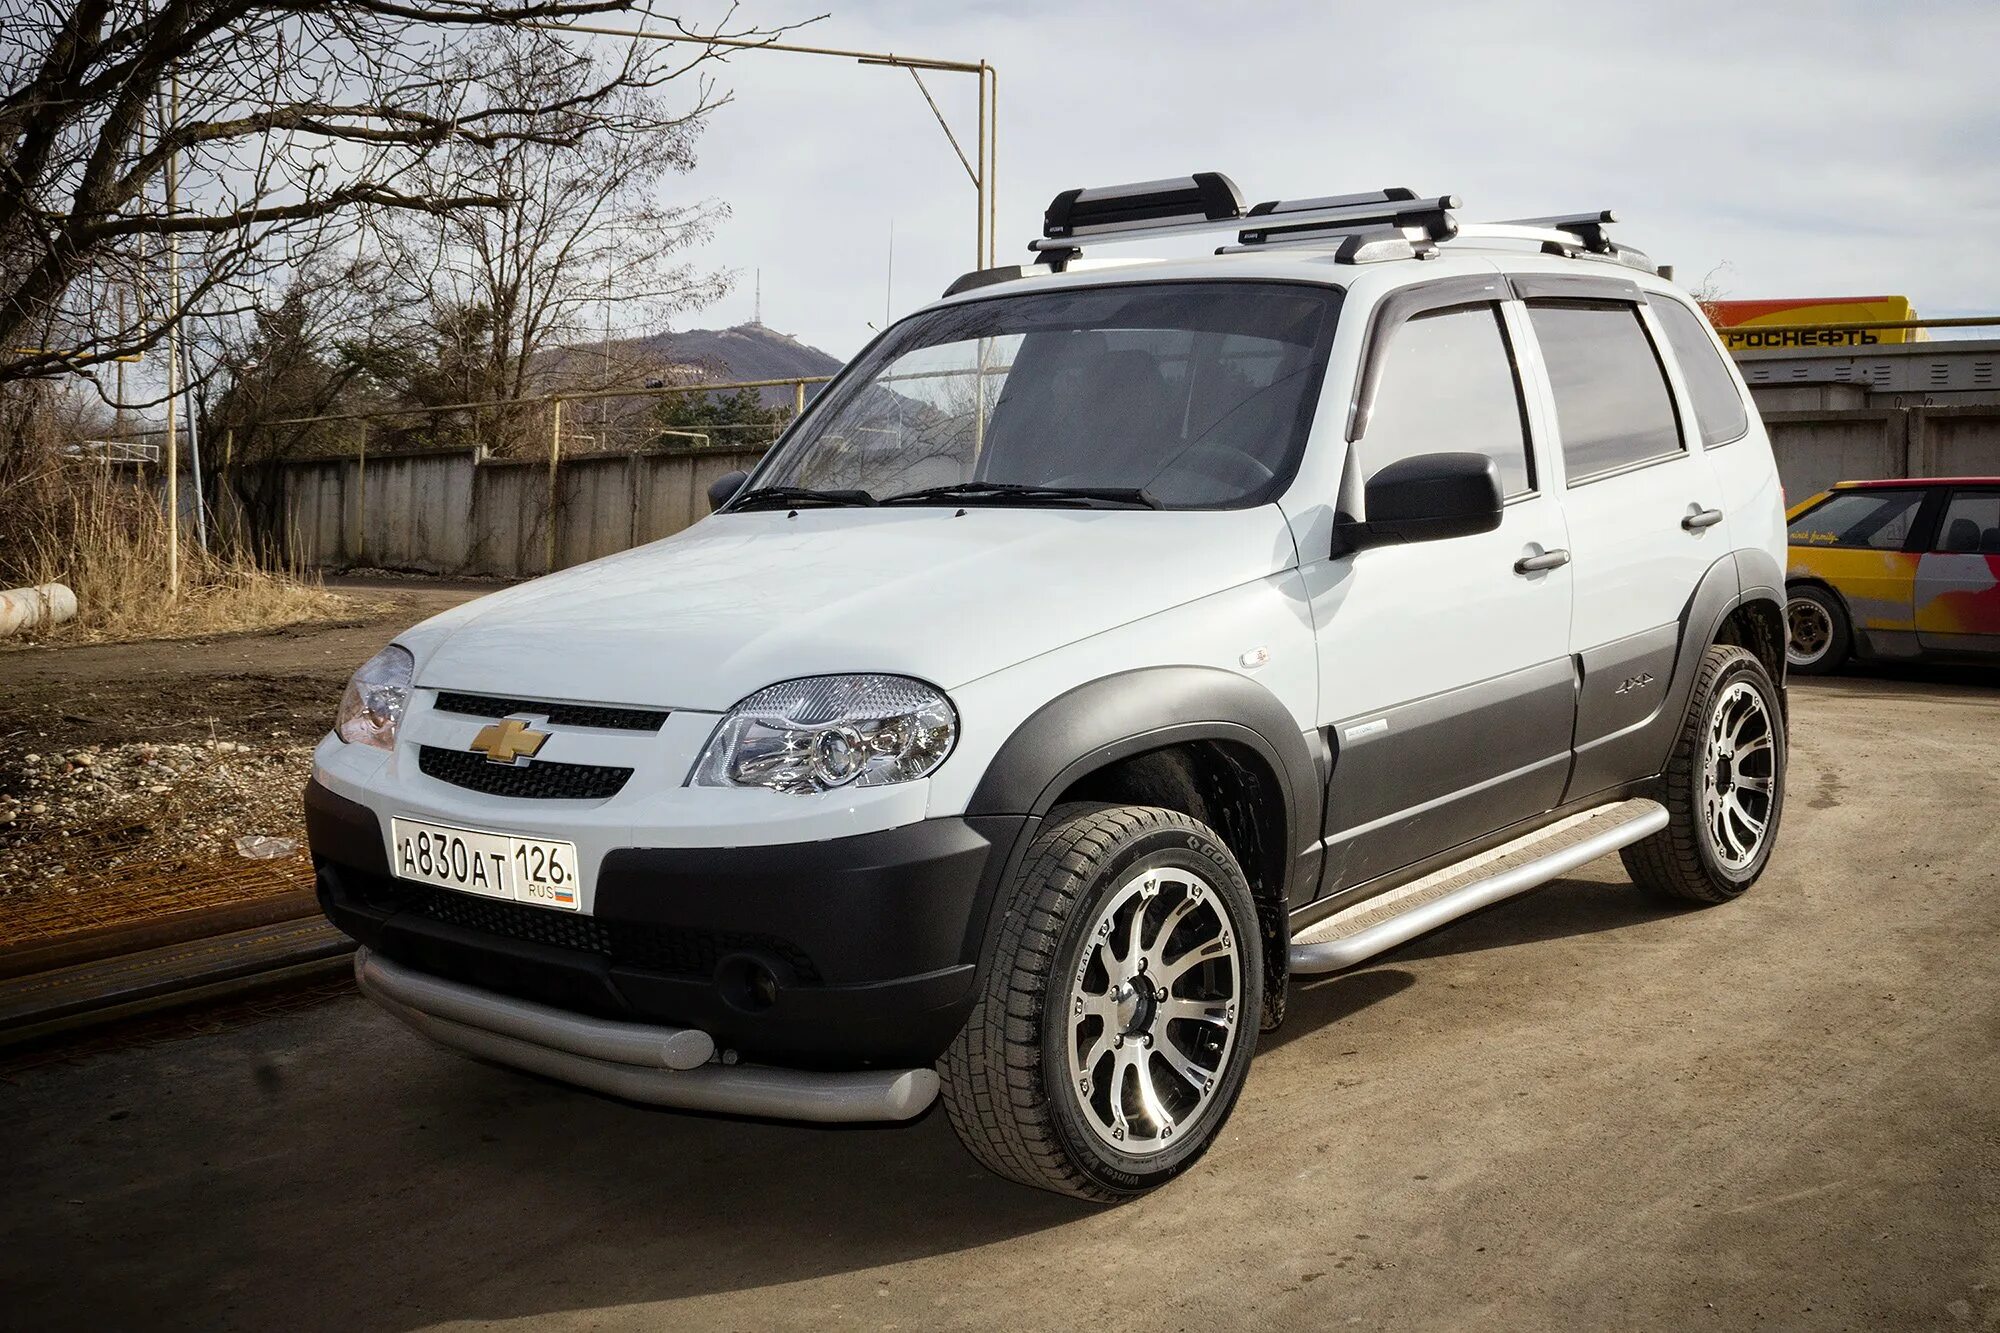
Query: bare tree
[287,123]
[584,229]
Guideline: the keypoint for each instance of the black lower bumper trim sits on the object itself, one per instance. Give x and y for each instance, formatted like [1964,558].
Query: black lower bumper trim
[869,942]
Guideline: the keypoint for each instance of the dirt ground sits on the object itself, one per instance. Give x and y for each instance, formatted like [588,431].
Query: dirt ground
[1576,1110]
[129,771]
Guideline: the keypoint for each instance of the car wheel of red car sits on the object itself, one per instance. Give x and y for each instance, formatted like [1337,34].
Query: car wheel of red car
[1817,636]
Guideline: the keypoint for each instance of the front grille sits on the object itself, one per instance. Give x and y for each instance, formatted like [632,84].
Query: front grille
[563,715]
[539,780]
[671,950]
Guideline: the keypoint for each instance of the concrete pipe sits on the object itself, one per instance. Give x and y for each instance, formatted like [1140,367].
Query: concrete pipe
[23,609]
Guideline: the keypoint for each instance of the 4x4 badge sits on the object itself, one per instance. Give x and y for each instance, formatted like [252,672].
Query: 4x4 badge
[1638,682]
[501,741]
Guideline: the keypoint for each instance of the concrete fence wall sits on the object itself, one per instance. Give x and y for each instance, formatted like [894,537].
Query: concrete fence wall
[1816,448]
[459,512]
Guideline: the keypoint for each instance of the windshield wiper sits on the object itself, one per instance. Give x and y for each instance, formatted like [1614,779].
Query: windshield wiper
[790,497]
[1006,492]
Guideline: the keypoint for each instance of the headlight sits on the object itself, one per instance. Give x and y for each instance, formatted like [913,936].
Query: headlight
[830,731]
[372,708]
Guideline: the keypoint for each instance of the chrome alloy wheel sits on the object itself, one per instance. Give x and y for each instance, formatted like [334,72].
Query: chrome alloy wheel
[1739,773]
[1153,1009]
[1808,631]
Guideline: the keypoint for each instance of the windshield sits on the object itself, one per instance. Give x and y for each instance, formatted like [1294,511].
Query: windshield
[1176,395]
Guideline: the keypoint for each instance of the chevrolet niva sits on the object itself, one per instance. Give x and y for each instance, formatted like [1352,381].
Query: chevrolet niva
[1112,641]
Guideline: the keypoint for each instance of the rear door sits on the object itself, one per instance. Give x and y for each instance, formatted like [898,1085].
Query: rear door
[1750,494]
[1644,511]
[1445,687]
[1957,599]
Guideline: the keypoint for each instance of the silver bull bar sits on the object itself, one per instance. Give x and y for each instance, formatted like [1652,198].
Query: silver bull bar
[640,1062]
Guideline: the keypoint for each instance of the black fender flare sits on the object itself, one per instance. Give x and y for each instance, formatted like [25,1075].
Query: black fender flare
[1150,708]
[1132,712]
[1734,580]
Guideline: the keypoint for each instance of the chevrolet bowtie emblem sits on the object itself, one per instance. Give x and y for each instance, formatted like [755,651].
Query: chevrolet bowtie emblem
[501,741]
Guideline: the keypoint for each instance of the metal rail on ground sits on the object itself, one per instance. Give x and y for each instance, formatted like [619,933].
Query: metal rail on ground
[99,977]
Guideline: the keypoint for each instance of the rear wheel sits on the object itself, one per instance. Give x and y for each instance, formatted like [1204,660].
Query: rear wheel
[1817,635]
[1120,1008]
[1725,786]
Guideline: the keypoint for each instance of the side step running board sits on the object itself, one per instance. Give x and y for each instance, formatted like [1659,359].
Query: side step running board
[1400,915]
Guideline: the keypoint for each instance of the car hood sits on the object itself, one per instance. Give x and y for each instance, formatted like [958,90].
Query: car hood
[739,601]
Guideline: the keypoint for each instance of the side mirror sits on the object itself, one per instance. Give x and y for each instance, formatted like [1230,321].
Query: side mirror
[723,489]
[1427,498]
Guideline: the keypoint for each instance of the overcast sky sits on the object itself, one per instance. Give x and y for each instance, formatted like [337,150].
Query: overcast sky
[1824,148]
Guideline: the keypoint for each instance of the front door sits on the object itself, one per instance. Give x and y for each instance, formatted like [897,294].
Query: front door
[1445,687]
[1958,580]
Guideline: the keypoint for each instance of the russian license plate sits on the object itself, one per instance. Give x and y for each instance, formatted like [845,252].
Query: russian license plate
[493,865]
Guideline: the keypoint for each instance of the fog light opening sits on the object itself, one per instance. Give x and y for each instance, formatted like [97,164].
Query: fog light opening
[748,982]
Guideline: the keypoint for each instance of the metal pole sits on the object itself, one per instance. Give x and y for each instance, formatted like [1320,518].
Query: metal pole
[982,249]
[992,173]
[119,416]
[173,359]
[751,43]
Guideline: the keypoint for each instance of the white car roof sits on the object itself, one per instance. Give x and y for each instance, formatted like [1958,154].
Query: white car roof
[1305,263]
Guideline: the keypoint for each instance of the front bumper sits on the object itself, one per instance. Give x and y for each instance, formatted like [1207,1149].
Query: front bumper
[664,1066]
[864,948]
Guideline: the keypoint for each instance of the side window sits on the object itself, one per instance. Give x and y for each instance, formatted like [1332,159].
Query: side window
[1612,404]
[1447,385]
[1971,523]
[1875,520]
[1718,407]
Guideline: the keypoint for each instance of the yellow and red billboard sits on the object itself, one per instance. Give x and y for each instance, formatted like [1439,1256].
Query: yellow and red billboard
[1760,325]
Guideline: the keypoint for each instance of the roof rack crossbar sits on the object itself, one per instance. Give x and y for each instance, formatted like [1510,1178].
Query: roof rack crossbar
[1366,243]
[1281,220]
[1587,227]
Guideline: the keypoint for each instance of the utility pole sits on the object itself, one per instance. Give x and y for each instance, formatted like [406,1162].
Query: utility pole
[173,355]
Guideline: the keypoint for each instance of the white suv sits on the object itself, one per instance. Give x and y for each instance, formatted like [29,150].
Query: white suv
[1110,642]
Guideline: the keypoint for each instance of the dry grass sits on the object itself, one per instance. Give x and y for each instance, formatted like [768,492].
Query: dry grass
[107,540]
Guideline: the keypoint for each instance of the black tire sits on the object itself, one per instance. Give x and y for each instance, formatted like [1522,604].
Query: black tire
[1688,861]
[1818,637]
[1007,1083]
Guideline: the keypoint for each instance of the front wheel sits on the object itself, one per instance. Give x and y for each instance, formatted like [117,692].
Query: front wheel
[1725,786]
[1120,1008]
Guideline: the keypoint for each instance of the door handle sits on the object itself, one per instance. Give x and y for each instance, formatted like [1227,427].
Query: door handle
[1536,564]
[1706,518]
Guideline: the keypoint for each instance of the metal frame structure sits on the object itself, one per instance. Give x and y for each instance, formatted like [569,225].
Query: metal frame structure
[983,175]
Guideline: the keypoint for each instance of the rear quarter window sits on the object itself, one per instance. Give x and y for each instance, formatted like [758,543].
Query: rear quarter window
[1718,406]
